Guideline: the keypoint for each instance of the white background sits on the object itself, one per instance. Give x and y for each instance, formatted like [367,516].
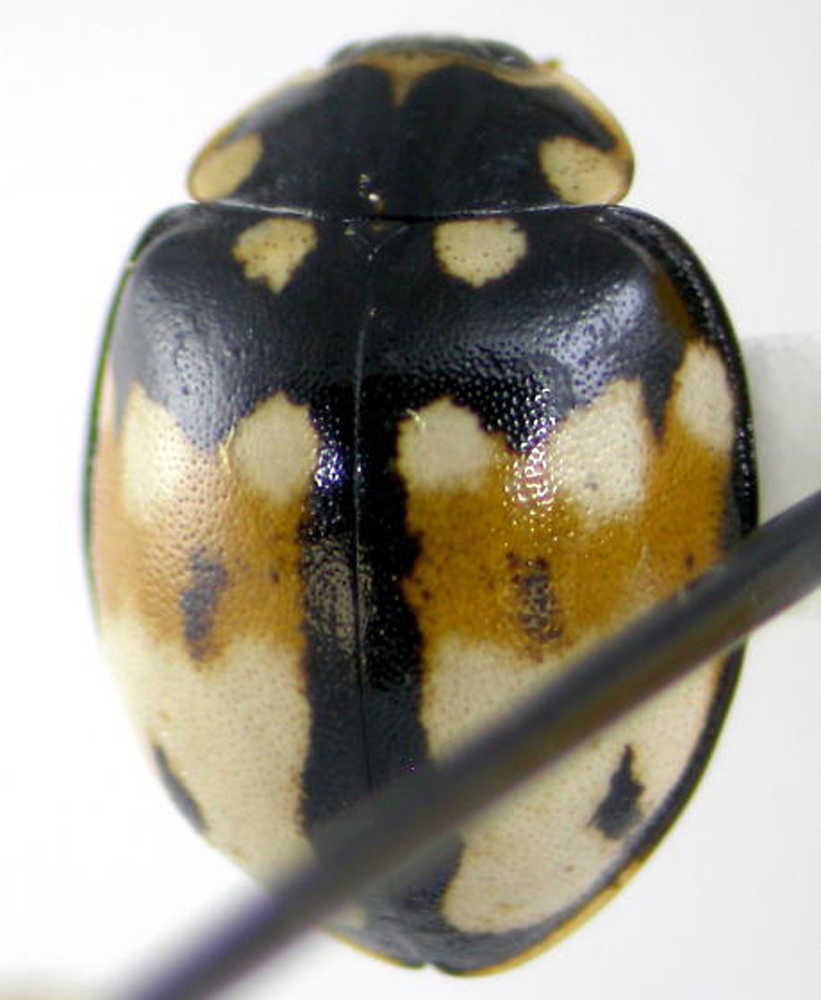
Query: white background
[103,106]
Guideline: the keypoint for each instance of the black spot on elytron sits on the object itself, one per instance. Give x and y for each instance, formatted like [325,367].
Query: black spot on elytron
[198,601]
[183,799]
[538,609]
[618,811]
[689,561]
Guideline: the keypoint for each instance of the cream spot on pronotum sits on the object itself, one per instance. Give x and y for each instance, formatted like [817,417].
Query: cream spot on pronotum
[220,171]
[580,173]
[479,250]
[273,249]
[404,69]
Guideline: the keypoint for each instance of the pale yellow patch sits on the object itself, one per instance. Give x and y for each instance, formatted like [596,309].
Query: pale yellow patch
[236,735]
[157,458]
[469,683]
[404,69]
[220,170]
[223,164]
[539,852]
[107,403]
[479,250]
[615,175]
[579,173]
[599,455]
[350,919]
[444,447]
[704,398]
[273,249]
[274,449]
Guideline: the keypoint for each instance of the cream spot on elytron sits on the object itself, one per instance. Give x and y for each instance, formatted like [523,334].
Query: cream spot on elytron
[219,171]
[229,732]
[275,449]
[599,455]
[579,173]
[273,249]
[157,458]
[443,447]
[539,853]
[479,250]
[703,399]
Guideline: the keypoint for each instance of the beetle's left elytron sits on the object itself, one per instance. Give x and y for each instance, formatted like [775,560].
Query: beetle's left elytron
[392,424]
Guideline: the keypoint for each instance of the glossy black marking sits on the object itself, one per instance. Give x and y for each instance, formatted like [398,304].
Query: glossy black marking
[198,601]
[618,812]
[335,775]
[461,140]
[522,375]
[183,799]
[539,614]
[209,345]
[708,315]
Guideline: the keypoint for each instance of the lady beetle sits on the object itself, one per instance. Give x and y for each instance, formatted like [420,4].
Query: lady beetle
[398,419]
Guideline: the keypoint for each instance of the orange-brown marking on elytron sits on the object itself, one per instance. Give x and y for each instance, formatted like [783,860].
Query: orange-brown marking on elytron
[195,558]
[474,543]
[527,563]
[212,516]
